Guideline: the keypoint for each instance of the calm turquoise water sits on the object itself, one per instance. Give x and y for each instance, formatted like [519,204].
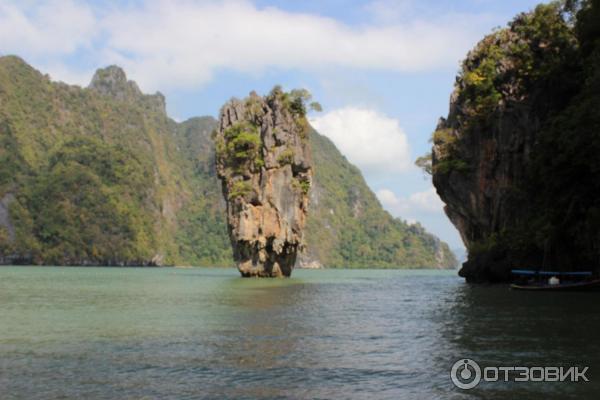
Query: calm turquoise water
[108,333]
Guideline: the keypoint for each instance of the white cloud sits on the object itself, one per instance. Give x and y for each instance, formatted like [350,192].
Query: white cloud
[374,142]
[427,201]
[388,11]
[51,27]
[181,43]
[417,203]
[60,72]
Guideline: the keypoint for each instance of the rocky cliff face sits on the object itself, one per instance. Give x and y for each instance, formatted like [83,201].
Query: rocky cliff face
[491,154]
[112,81]
[264,163]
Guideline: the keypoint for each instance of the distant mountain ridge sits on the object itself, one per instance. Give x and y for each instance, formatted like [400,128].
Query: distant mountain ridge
[102,176]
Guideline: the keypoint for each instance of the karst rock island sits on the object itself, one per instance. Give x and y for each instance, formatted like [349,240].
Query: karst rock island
[264,163]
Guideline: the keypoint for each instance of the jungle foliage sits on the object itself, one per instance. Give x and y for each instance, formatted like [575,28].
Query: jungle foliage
[111,180]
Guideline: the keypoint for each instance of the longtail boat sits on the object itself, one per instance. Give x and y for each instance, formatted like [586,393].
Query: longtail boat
[525,279]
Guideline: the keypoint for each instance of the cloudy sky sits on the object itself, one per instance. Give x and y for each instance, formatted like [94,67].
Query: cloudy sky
[382,69]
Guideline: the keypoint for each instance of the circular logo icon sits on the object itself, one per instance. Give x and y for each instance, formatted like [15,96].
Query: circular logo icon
[465,374]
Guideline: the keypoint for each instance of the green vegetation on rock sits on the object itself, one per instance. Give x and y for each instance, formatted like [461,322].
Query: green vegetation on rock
[286,156]
[88,204]
[348,228]
[563,178]
[240,189]
[243,147]
[302,185]
[524,123]
[101,175]
[96,173]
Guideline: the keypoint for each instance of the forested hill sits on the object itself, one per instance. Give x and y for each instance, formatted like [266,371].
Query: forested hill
[102,176]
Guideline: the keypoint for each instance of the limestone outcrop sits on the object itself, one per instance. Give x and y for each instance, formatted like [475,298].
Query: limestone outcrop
[510,160]
[264,163]
[112,82]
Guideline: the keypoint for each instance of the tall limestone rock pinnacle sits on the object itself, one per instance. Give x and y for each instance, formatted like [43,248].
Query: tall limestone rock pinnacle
[264,163]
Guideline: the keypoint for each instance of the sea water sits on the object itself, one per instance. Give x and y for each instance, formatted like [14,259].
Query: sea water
[171,333]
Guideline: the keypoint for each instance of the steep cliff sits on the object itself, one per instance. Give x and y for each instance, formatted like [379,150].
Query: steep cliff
[521,120]
[264,163]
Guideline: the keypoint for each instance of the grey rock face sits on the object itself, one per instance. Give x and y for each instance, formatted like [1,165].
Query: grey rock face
[264,163]
[112,81]
[495,144]
[5,217]
[480,200]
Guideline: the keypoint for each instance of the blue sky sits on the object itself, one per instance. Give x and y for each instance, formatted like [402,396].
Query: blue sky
[382,69]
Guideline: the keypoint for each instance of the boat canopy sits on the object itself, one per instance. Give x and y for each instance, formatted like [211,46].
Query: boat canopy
[550,273]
